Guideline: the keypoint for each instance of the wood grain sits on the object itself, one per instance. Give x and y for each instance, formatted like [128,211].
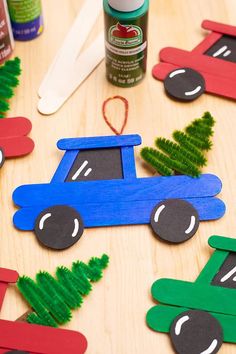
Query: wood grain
[113,316]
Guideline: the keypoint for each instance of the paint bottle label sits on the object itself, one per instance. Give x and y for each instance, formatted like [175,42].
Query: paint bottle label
[6,38]
[26,18]
[126,50]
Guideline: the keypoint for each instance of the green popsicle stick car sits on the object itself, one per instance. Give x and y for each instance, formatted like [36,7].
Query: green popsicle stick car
[201,315]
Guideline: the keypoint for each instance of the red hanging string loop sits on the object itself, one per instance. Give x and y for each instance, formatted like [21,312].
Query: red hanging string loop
[126,104]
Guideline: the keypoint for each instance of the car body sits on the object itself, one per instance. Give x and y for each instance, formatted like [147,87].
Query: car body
[214,58]
[212,292]
[97,177]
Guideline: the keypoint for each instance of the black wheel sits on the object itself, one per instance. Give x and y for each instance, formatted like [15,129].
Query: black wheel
[2,157]
[174,220]
[59,227]
[196,332]
[184,84]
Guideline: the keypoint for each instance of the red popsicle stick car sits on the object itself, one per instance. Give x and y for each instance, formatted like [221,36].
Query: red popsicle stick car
[14,141]
[208,67]
[34,339]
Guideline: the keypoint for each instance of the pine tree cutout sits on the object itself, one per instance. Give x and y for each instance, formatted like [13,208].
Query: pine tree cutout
[186,154]
[52,299]
[9,73]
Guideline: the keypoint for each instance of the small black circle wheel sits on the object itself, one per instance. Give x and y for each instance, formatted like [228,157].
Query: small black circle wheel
[196,332]
[184,84]
[2,157]
[59,227]
[174,220]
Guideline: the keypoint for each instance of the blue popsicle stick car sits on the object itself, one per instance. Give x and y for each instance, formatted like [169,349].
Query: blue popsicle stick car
[96,185]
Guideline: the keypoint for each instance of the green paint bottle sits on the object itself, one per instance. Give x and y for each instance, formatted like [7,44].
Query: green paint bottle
[126,23]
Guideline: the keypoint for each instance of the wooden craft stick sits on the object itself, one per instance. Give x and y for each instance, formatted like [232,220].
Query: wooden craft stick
[40,339]
[18,126]
[59,89]
[202,63]
[195,296]
[71,47]
[150,188]
[219,27]
[17,146]
[120,213]
[161,317]
[214,84]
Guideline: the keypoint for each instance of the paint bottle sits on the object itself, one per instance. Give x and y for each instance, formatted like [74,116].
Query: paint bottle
[6,37]
[26,18]
[126,23]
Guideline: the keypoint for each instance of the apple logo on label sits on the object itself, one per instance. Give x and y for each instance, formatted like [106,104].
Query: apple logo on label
[122,31]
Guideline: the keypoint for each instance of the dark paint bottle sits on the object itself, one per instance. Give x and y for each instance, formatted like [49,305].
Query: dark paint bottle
[126,23]
[6,37]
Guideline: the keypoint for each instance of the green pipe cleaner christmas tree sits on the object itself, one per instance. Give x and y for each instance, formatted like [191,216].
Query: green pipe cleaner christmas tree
[9,73]
[52,299]
[186,154]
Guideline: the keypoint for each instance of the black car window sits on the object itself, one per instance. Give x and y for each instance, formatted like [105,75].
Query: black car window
[96,164]
[224,48]
[226,277]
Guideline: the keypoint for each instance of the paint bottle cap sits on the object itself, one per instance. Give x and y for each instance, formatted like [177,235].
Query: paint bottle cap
[126,5]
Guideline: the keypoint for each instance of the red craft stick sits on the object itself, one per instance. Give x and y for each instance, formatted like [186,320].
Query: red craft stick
[216,85]
[40,339]
[202,63]
[6,276]
[13,140]
[10,127]
[16,146]
[207,43]
[219,27]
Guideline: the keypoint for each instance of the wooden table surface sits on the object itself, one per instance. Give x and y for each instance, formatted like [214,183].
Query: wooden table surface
[113,316]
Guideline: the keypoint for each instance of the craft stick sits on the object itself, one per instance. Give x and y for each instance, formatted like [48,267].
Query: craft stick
[8,275]
[18,126]
[160,319]
[219,27]
[99,142]
[195,296]
[72,45]
[61,89]
[212,267]
[119,213]
[214,84]
[16,146]
[150,188]
[40,339]
[222,243]
[202,63]
[207,43]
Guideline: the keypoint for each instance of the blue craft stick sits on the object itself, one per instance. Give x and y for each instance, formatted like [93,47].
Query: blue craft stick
[99,142]
[140,189]
[128,162]
[119,213]
[64,167]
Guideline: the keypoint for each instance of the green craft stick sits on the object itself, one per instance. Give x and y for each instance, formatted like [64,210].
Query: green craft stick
[223,243]
[195,296]
[160,318]
[212,267]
